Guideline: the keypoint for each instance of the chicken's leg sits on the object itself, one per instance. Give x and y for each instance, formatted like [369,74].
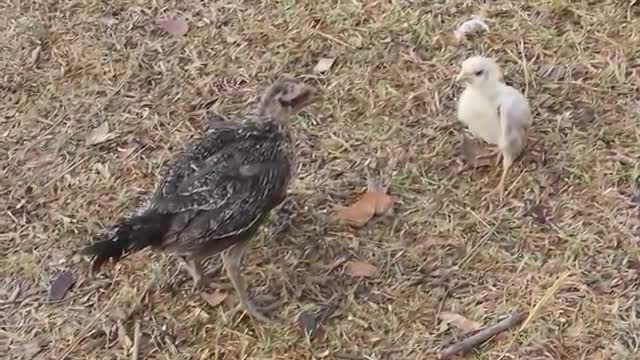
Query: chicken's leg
[194,267]
[232,258]
[507,161]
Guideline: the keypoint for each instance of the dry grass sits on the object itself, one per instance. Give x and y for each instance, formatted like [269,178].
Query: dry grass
[389,99]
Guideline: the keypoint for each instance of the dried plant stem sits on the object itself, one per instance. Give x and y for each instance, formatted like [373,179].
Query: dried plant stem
[482,336]
[136,341]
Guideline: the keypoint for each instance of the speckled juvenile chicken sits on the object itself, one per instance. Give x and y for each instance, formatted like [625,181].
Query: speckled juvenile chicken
[494,111]
[218,192]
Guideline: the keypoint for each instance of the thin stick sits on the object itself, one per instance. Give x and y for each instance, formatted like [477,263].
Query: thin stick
[327,36]
[83,333]
[136,341]
[65,172]
[482,336]
[537,309]
[476,249]
[525,69]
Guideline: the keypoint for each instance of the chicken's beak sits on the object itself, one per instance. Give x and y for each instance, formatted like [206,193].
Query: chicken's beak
[461,76]
[314,95]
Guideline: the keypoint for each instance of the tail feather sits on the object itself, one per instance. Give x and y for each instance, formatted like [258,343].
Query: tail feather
[126,237]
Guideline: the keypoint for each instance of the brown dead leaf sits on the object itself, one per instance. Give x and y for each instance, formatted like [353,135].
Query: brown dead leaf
[356,41]
[37,159]
[100,135]
[35,55]
[60,285]
[469,150]
[375,201]
[460,321]
[324,65]
[119,314]
[361,269]
[31,349]
[473,25]
[214,299]
[102,169]
[175,26]
[598,355]
[123,338]
[554,72]
[108,20]
[538,212]
[585,115]
[232,39]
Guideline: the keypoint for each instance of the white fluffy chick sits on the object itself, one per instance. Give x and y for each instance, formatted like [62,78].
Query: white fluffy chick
[494,111]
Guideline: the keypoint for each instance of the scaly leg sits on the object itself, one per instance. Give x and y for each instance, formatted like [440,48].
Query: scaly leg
[507,161]
[194,267]
[232,258]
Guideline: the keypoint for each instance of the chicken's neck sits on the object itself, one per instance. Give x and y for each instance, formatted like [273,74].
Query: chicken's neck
[487,91]
[283,127]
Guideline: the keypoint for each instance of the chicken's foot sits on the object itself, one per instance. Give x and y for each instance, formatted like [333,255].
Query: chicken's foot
[507,162]
[194,268]
[232,258]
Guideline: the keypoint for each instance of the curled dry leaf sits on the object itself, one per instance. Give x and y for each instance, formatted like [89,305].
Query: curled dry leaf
[460,321]
[35,55]
[36,159]
[475,24]
[102,169]
[356,41]
[100,135]
[554,72]
[108,20]
[175,26]
[538,212]
[324,65]
[361,269]
[30,349]
[599,355]
[123,338]
[375,201]
[214,299]
[60,285]
[585,115]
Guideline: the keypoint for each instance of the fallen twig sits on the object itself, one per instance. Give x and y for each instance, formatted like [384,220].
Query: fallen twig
[83,333]
[538,308]
[482,336]
[136,341]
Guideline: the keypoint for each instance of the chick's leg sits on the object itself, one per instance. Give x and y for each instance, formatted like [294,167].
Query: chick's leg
[507,161]
[232,258]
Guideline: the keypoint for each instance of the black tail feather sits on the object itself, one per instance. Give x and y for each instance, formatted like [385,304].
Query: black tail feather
[126,237]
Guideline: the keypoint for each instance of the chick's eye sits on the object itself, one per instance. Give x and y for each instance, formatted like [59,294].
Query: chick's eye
[478,73]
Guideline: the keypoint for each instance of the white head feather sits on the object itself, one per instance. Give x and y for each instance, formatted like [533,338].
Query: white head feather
[481,72]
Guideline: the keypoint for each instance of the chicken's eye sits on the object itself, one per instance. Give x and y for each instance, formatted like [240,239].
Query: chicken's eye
[478,73]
